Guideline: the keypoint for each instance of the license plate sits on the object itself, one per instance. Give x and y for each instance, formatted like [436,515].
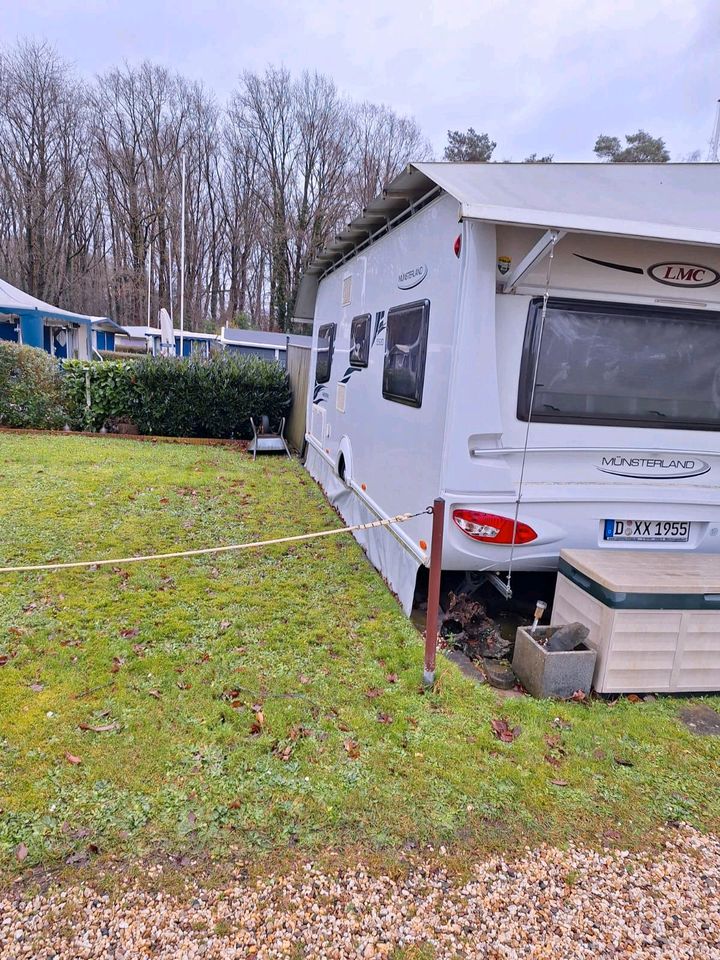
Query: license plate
[658,531]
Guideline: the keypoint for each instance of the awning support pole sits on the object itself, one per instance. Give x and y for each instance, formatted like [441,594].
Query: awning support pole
[531,259]
[433,601]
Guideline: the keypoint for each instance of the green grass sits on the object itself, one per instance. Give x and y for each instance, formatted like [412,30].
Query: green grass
[301,634]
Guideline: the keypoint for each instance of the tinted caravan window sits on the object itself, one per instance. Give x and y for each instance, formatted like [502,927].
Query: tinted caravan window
[611,363]
[326,343]
[360,341]
[405,350]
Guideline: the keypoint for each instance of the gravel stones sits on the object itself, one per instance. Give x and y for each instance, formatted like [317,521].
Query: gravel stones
[548,903]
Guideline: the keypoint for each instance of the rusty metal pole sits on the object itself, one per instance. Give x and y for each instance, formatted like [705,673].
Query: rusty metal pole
[433,600]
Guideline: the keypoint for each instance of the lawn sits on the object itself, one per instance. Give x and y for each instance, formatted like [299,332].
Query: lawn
[269,700]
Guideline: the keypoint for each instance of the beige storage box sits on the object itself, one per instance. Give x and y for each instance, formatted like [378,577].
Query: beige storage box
[654,617]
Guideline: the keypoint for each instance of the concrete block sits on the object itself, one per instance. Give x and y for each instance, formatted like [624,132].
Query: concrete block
[546,673]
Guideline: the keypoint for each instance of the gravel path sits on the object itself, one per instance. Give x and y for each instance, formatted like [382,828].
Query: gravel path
[549,903]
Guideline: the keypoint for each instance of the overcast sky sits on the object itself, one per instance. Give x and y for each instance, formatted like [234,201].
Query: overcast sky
[537,75]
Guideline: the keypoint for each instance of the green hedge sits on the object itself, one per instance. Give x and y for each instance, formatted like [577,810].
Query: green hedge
[107,385]
[31,389]
[170,397]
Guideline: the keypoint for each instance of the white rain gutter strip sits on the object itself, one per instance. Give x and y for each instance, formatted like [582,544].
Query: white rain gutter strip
[582,223]
[499,451]
[531,259]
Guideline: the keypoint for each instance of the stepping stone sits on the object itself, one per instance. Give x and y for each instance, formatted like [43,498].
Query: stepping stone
[464,665]
[704,721]
[499,673]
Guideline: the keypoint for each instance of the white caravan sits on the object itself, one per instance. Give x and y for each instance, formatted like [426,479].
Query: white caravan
[436,372]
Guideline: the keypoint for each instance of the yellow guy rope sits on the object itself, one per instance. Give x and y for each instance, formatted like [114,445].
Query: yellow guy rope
[400,518]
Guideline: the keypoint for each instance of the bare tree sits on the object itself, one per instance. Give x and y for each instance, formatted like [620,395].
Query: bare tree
[90,175]
[43,124]
[383,144]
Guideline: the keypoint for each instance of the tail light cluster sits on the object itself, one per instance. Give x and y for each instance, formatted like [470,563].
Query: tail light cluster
[491,528]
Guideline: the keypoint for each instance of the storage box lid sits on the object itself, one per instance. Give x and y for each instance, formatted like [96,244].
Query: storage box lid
[646,579]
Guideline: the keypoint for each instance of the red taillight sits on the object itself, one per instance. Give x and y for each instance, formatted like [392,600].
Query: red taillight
[491,528]
[457,246]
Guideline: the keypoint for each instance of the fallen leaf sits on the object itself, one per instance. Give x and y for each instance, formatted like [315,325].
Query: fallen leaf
[621,762]
[37,687]
[71,758]
[561,724]
[503,731]
[129,632]
[285,753]
[633,698]
[384,718]
[599,754]
[21,852]
[372,693]
[139,649]
[579,696]
[3,659]
[559,783]
[224,624]
[552,741]
[235,805]
[101,728]
[392,678]
[155,693]
[352,748]
[303,679]
[257,726]
[553,761]
[116,664]
[191,819]
[183,685]
[164,500]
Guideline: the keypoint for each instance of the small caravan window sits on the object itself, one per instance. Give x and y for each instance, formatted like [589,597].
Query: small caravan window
[613,363]
[405,349]
[326,343]
[360,341]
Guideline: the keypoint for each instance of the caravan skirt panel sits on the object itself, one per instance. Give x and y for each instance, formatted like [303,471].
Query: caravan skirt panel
[396,564]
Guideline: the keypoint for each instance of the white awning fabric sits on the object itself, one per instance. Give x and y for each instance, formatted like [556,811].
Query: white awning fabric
[658,201]
[17,302]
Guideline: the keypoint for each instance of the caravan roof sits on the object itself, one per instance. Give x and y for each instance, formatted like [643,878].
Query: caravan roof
[658,201]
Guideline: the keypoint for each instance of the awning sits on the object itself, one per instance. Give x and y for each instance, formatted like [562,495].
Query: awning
[108,326]
[674,202]
[677,202]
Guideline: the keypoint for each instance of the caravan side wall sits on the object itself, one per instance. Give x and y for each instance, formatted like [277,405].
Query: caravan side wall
[468,439]
[388,453]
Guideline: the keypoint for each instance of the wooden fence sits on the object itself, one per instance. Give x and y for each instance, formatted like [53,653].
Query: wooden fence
[298,368]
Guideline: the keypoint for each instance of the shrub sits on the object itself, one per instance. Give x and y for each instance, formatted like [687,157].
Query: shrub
[195,397]
[170,397]
[110,389]
[31,389]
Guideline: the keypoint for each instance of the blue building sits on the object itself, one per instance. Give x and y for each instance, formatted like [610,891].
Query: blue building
[61,333]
